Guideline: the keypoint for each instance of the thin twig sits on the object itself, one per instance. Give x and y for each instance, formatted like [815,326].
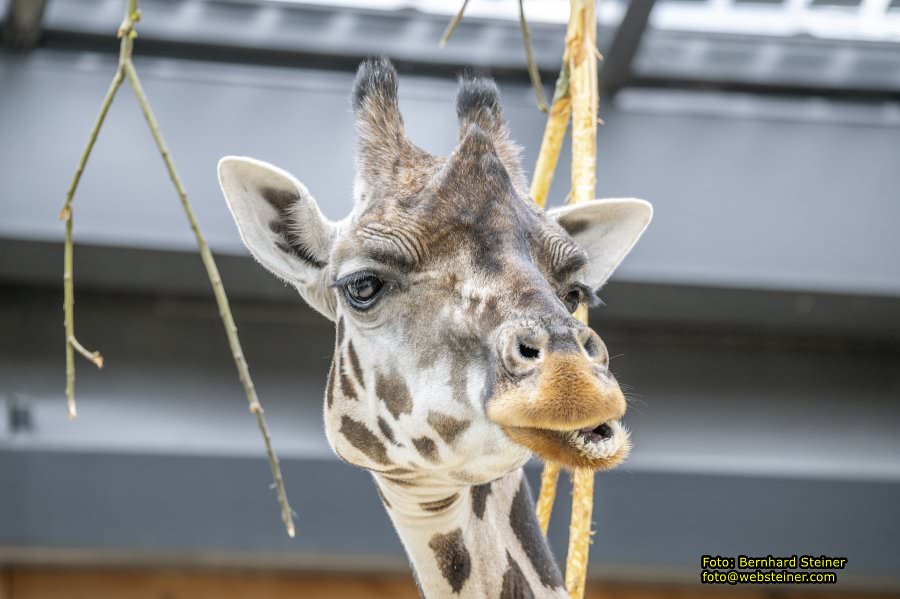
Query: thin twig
[533,72]
[93,356]
[66,214]
[451,27]
[219,291]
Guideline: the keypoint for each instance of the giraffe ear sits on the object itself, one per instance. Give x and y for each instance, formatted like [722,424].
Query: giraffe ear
[606,229]
[281,225]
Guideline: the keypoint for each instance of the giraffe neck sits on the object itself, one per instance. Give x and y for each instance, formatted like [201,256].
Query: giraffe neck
[473,540]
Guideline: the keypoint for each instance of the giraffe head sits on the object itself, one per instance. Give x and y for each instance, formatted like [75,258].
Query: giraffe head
[452,293]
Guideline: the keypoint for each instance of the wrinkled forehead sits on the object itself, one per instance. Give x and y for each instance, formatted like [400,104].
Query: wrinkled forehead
[488,231]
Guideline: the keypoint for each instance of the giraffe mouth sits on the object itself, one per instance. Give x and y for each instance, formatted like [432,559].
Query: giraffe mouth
[600,447]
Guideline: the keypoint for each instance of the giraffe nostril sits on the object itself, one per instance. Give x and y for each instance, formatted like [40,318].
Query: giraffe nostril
[590,347]
[528,352]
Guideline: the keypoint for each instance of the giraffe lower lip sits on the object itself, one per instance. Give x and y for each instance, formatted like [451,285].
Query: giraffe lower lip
[599,447]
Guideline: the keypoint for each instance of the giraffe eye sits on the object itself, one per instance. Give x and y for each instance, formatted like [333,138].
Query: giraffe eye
[573,298]
[362,291]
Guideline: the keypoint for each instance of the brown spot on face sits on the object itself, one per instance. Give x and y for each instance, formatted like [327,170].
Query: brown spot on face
[340,331]
[453,559]
[398,471]
[394,393]
[354,364]
[491,316]
[515,585]
[458,376]
[427,447]
[400,482]
[346,385]
[364,440]
[447,427]
[329,386]
[479,499]
[439,505]
[525,526]
[385,429]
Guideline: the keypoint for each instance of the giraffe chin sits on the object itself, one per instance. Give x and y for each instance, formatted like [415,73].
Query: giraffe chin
[602,447]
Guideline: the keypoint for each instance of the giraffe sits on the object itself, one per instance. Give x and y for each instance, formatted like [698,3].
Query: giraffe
[456,353]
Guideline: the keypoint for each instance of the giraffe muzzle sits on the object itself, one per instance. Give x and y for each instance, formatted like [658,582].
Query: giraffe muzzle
[567,409]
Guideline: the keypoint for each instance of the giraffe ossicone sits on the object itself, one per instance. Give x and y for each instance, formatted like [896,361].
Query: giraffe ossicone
[456,351]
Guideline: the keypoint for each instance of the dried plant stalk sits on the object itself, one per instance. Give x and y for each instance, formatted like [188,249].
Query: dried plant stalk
[125,69]
[581,44]
[533,72]
[581,47]
[544,507]
[451,27]
[579,532]
[554,133]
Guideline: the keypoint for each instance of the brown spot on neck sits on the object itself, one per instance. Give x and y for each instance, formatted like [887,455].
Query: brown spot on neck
[515,585]
[479,499]
[439,505]
[525,526]
[452,557]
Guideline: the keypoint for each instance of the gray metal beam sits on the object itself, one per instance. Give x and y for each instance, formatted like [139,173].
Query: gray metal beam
[619,60]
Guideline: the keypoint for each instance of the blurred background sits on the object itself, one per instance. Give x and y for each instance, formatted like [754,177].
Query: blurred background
[756,324]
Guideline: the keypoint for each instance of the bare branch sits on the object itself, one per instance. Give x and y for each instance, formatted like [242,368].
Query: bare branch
[453,24]
[533,72]
[66,214]
[221,298]
[126,68]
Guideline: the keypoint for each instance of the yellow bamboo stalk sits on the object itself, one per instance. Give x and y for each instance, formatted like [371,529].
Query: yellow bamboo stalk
[548,156]
[579,532]
[554,133]
[581,47]
[544,507]
[581,44]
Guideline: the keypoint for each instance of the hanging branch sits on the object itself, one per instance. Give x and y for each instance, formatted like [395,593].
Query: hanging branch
[66,214]
[451,27]
[126,68]
[533,72]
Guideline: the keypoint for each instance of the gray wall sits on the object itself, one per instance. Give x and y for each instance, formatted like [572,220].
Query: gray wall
[757,324]
[764,194]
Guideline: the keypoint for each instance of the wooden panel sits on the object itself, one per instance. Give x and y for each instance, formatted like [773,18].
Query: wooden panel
[99,583]
[169,584]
